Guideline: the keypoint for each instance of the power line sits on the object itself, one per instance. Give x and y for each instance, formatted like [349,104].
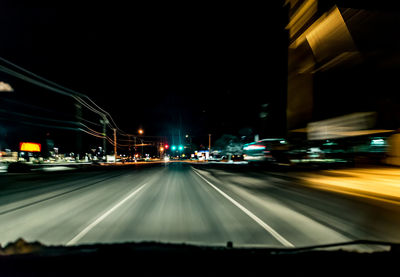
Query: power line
[72,93]
[23,77]
[91,131]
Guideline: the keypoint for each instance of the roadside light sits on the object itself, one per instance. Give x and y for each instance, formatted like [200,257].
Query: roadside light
[140,131]
[166,146]
[173,147]
[180,147]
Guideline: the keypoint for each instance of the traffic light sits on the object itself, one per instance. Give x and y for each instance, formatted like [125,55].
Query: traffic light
[166,146]
[173,147]
[180,147]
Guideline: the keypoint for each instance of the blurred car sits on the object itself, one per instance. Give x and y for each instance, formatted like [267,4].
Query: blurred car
[266,150]
[216,158]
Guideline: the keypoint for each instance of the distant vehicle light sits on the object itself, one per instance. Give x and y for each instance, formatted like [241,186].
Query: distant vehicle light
[377,142]
[254,147]
[30,147]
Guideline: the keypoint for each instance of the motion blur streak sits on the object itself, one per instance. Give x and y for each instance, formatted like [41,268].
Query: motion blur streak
[377,183]
[246,211]
[178,206]
[103,216]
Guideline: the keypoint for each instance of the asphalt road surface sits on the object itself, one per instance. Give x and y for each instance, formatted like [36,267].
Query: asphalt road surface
[180,202]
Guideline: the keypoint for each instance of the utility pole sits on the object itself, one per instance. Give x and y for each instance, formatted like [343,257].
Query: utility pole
[135,146]
[209,145]
[142,148]
[78,116]
[104,121]
[129,147]
[115,145]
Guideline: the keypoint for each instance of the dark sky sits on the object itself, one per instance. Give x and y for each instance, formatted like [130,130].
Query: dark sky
[202,68]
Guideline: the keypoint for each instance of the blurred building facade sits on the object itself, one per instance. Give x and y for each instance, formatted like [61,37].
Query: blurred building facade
[343,58]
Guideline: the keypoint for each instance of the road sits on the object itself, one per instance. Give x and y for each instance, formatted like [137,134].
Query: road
[180,202]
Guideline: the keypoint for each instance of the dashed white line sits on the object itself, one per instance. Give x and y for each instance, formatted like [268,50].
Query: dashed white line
[76,238]
[264,225]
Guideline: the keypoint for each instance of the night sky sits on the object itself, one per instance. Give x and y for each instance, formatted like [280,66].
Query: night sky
[200,69]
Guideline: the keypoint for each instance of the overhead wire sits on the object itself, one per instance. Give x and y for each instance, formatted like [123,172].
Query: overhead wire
[72,93]
[78,97]
[91,131]
[21,76]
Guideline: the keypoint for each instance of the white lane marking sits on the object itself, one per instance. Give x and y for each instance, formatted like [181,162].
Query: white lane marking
[103,216]
[268,228]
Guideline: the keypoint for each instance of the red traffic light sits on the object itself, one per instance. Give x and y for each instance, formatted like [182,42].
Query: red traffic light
[166,146]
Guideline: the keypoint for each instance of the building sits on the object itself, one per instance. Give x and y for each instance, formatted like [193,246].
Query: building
[343,59]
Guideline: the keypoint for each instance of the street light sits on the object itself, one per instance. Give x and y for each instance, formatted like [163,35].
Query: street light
[140,131]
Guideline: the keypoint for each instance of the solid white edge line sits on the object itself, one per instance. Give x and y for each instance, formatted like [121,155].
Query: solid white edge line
[268,228]
[76,238]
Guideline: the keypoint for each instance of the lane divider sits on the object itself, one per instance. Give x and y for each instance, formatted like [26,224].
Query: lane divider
[76,238]
[264,225]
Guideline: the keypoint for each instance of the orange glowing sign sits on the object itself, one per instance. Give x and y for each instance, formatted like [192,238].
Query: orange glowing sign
[30,146]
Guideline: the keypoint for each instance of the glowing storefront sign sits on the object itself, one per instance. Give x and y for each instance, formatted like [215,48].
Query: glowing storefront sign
[30,147]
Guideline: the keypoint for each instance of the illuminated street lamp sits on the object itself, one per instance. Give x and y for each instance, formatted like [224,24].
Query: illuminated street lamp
[140,131]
